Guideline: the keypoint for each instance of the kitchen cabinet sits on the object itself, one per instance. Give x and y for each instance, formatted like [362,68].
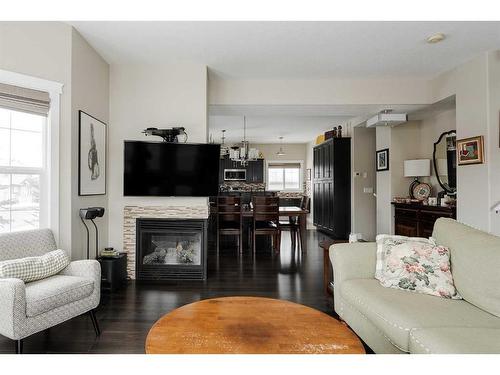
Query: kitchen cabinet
[332,187]
[254,169]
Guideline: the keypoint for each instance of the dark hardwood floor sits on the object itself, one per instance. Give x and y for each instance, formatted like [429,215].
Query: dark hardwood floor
[126,316]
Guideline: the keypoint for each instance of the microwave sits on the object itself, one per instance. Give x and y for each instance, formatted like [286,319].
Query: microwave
[235,174]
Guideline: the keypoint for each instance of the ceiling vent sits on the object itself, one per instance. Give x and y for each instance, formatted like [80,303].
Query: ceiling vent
[386,118]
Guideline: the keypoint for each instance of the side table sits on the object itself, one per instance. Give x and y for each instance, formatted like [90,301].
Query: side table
[327,266]
[113,272]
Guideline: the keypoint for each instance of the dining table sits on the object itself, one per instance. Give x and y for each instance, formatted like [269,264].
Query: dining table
[290,212]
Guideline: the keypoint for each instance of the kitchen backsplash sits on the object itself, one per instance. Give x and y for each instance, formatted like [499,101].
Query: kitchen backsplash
[249,186]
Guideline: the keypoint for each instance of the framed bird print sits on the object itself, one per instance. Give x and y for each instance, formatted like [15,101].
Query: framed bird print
[92,155]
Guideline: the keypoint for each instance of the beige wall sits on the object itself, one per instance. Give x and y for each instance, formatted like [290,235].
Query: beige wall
[90,93]
[144,96]
[384,184]
[476,103]
[363,205]
[43,50]
[320,91]
[430,130]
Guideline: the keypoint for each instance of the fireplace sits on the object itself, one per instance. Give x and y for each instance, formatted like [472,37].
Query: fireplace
[171,249]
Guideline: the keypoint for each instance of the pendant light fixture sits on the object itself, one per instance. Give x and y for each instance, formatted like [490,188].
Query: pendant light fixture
[243,153]
[224,150]
[281,152]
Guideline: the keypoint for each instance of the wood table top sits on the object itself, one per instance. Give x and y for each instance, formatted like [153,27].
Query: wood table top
[250,325]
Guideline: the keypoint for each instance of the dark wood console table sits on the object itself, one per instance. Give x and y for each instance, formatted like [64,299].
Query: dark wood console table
[417,220]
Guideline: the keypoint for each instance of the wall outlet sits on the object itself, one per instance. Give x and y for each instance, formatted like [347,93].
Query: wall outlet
[368,190]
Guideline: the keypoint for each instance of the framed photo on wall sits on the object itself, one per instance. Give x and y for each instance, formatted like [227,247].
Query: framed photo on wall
[382,160]
[470,150]
[92,155]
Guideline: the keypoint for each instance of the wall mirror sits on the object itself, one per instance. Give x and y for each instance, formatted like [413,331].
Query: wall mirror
[445,161]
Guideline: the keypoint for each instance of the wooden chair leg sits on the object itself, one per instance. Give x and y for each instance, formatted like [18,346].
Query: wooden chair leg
[253,242]
[241,241]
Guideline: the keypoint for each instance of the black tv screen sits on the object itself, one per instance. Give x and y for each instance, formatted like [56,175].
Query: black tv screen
[171,169]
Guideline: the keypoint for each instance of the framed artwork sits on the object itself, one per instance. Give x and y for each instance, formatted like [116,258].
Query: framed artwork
[470,150]
[92,155]
[383,160]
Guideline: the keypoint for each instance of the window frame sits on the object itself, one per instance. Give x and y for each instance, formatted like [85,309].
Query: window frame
[49,179]
[301,175]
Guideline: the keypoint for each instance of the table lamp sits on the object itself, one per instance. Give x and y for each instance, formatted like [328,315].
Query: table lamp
[416,168]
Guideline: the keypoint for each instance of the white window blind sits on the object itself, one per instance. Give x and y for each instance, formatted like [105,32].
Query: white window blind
[283,176]
[24,100]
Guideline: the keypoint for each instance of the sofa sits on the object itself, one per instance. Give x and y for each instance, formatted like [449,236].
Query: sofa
[28,308]
[396,321]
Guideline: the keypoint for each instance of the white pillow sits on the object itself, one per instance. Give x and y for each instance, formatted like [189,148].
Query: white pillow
[386,241]
[419,267]
[35,268]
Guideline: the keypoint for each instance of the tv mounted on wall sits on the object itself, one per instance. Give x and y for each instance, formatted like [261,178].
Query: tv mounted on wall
[171,169]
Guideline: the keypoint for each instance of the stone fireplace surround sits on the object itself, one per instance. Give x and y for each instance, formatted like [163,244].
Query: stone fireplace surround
[132,213]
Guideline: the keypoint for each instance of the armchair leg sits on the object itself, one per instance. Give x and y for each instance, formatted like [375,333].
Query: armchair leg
[19,346]
[95,323]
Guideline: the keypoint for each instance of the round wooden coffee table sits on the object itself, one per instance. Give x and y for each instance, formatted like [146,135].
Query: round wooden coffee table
[250,325]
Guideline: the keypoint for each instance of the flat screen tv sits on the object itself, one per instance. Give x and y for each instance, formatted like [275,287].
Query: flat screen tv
[171,169]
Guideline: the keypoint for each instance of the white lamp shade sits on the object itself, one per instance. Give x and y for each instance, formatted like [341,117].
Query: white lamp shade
[417,168]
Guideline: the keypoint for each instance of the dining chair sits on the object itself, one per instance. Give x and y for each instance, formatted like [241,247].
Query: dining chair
[266,220]
[292,222]
[229,220]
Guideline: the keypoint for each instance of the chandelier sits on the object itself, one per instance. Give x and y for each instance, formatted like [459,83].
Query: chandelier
[243,153]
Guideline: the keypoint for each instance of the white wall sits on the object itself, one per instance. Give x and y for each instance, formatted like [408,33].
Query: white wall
[144,96]
[90,93]
[492,140]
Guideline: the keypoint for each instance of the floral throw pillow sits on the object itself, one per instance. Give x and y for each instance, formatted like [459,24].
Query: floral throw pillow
[385,242]
[419,267]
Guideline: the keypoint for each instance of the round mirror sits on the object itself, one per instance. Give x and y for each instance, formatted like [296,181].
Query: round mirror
[445,161]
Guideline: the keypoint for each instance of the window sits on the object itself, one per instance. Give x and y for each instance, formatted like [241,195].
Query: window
[22,169]
[284,176]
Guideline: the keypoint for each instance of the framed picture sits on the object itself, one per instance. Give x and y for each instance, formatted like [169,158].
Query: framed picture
[470,150]
[383,160]
[92,155]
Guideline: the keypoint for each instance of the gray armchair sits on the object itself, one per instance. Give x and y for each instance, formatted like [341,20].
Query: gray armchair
[28,308]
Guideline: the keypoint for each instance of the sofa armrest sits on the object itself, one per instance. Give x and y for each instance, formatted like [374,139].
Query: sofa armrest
[353,261]
[88,268]
[12,306]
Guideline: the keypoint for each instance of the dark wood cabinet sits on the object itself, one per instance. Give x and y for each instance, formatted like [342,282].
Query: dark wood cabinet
[417,220]
[332,187]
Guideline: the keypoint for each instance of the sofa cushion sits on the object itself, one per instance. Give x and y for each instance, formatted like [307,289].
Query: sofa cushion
[385,242]
[395,312]
[455,340]
[52,292]
[419,267]
[475,261]
[34,268]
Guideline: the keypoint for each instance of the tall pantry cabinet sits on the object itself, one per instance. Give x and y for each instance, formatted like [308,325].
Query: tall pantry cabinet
[332,187]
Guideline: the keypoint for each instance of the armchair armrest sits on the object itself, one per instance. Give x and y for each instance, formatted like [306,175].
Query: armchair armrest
[88,268]
[12,306]
[353,261]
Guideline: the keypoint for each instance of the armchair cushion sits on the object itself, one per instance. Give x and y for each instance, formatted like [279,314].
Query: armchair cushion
[34,268]
[52,292]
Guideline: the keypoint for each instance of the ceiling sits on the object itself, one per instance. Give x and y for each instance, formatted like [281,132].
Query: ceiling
[298,50]
[300,124]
